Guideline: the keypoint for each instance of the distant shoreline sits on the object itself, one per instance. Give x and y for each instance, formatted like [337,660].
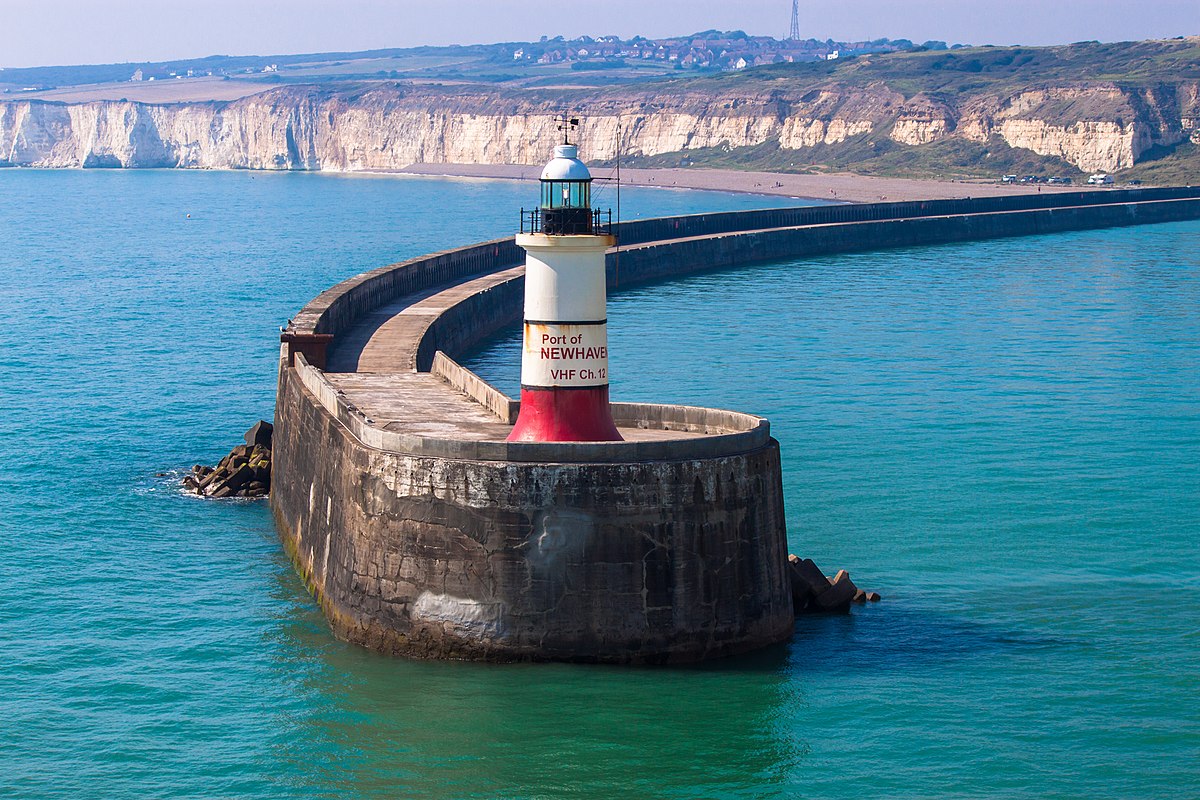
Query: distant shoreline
[834,187]
[838,187]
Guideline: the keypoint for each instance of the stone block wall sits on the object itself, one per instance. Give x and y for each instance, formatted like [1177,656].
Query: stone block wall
[649,562]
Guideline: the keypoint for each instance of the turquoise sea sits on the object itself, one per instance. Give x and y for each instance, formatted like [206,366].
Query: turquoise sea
[1002,438]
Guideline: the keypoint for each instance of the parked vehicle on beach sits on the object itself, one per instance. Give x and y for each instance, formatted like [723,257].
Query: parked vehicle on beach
[1060,181]
[1009,179]
[1100,179]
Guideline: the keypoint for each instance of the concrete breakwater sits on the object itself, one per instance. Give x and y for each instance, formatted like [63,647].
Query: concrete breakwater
[422,532]
[554,557]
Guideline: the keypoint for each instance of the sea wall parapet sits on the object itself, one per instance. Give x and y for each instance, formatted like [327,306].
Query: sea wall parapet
[699,242]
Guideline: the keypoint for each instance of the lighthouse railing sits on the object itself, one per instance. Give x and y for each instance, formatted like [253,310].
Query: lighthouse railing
[536,221]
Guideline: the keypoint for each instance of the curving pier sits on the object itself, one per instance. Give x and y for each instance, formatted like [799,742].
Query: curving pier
[422,532]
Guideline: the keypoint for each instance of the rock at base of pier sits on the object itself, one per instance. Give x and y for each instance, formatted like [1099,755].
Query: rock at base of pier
[815,593]
[245,472]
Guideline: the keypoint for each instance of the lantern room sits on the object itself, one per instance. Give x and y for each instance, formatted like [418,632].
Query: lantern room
[566,207]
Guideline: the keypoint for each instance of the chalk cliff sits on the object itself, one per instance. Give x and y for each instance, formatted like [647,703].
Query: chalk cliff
[388,126]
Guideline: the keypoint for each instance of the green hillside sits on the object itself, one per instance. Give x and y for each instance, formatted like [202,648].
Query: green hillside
[976,69]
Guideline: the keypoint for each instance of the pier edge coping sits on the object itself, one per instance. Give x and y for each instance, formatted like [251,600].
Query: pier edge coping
[315,317]
[476,388]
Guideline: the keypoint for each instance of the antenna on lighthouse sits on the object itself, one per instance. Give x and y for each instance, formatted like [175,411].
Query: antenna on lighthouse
[795,32]
[567,124]
[617,254]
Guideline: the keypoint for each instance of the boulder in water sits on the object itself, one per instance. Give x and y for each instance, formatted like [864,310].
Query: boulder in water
[260,434]
[244,472]
[814,592]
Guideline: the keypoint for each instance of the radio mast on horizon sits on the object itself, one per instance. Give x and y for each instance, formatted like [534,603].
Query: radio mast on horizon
[795,32]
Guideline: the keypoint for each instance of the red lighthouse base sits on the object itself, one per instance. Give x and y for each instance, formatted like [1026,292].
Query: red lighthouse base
[565,415]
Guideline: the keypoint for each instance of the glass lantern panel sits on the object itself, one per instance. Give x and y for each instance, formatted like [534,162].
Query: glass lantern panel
[579,194]
[566,194]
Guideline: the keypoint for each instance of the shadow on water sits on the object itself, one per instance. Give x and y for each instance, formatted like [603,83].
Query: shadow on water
[368,725]
[901,638]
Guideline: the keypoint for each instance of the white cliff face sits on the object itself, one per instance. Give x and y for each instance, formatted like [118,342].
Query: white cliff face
[797,133]
[1091,146]
[923,119]
[1098,128]
[919,131]
[1103,128]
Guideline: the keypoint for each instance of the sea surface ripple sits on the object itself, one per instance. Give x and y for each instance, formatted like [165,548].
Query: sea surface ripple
[1003,438]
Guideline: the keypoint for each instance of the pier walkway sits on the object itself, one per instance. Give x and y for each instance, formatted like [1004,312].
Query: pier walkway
[374,367]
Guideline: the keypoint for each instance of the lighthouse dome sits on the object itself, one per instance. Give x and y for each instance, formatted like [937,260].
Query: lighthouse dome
[566,166]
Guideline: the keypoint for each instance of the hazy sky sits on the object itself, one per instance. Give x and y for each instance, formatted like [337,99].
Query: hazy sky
[42,32]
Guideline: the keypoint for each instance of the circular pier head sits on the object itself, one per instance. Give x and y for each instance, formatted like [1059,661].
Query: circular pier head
[666,547]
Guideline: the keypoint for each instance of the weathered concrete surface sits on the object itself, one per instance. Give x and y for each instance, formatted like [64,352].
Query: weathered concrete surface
[663,259]
[342,310]
[653,562]
[420,404]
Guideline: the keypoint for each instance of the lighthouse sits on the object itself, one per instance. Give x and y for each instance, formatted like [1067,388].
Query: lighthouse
[564,358]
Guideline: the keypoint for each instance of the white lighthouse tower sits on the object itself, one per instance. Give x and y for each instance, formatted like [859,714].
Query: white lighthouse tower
[564,361]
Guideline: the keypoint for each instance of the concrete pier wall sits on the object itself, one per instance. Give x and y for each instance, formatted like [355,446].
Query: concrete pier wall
[642,231]
[654,551]
[665,259]
[777,233]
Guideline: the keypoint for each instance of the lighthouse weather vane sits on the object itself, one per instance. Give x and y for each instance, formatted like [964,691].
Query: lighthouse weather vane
[567,124]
